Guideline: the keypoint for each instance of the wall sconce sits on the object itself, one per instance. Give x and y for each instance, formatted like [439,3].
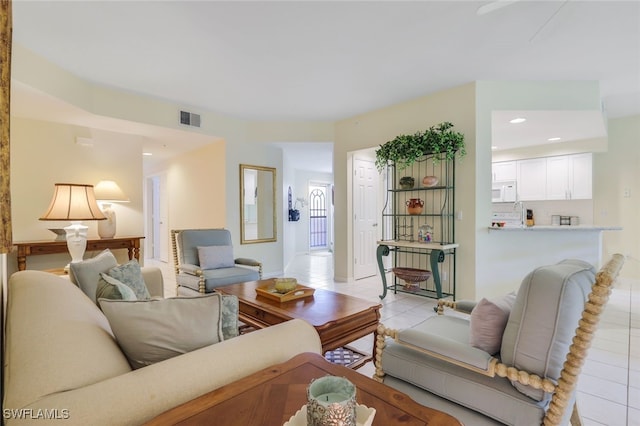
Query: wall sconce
[108,192]
[74,202]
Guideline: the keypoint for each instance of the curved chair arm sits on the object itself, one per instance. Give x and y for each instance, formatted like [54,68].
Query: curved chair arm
[250,262]
[190,269]
[464,306]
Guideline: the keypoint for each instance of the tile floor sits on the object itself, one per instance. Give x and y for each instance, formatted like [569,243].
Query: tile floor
[609,387]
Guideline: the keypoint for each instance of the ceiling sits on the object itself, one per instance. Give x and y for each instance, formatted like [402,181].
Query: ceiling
[329,60]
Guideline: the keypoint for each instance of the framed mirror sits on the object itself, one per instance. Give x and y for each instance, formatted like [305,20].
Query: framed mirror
[257,204]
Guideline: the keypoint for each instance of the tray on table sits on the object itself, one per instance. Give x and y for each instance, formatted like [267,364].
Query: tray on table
[269,291]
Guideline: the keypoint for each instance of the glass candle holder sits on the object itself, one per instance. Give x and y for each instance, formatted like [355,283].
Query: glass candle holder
[331,401]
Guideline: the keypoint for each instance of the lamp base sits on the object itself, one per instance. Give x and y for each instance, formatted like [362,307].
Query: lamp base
[76,240]
[107,228]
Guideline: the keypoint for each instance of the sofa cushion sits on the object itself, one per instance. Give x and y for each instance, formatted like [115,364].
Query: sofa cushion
[57,340]
[214,257]
[110,288]
[151,331]
[544,318]
[487,322]
[86,273]
[130,274]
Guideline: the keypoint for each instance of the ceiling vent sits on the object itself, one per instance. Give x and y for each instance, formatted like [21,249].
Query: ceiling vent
[189,119]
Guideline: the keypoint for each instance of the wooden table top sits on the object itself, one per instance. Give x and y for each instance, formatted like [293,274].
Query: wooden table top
[324,307]
[271,396]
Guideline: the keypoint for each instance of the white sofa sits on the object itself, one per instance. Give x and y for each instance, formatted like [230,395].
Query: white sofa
[62,360]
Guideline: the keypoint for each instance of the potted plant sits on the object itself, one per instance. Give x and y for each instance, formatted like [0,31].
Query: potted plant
[404,150]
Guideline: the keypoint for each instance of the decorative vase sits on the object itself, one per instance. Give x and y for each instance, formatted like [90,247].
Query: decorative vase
[414,206]
[407,182]
[430,181]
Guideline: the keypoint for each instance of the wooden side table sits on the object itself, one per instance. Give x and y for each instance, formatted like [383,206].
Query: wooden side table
[35,248]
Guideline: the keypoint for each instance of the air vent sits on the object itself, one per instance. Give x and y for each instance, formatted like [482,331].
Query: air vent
[189,119]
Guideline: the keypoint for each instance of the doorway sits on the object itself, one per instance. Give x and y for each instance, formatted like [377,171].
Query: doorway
[320,214]
[157,240]
[365,217]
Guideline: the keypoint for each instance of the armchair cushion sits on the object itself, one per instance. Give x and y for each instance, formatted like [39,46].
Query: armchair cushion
[446,338]
[214,257]
[151,331]
[130,274]
[487,322]
[190,239]
[544,318]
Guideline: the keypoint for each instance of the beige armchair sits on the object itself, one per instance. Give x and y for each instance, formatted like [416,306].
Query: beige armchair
[530,376]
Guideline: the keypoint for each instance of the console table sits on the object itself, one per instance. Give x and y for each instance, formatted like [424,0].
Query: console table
[34,248]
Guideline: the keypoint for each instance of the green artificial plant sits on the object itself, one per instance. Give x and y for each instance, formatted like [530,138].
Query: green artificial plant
[404,150]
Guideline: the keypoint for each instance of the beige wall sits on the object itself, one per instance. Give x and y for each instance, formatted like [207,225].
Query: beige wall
[196,187]
[44,153]
[613,172]
[372,129]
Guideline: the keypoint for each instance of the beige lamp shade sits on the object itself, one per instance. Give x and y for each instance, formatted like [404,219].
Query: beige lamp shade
[72,201]
[108,191]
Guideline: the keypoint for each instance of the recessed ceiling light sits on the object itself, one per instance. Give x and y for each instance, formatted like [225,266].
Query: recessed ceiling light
[518,120]
[148,154]
[494,147]
[553,139]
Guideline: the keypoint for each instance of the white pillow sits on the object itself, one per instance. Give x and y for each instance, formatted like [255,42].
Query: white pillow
[214,257]
[150,331]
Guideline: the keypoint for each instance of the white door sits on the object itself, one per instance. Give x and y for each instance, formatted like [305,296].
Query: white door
[159,218]
[365,218]
[504,170]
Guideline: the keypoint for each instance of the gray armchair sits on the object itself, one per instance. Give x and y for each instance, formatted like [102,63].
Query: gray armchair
[529,375]
[203,260]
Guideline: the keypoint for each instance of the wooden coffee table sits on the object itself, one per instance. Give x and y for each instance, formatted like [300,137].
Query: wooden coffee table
[271,396]
[339,319]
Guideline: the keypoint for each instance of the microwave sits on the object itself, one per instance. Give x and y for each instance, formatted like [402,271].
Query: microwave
[504,192]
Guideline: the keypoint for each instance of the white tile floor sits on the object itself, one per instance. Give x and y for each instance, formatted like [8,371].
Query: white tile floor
[609,386]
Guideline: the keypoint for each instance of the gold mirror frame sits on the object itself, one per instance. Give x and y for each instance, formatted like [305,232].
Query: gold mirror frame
[257,204]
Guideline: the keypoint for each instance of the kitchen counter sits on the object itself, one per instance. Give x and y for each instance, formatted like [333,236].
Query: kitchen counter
[562,228]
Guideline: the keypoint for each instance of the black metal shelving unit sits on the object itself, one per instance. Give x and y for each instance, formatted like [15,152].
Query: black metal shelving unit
[400,230]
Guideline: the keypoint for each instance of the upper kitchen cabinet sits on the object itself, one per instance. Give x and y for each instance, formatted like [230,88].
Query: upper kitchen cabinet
[532,178]
[504,171]
[563,177]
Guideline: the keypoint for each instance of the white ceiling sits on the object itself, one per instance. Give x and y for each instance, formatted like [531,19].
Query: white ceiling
[309,60]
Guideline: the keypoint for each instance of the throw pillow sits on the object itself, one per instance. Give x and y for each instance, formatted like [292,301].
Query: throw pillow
[214,257]
[488,321]
[131,275]
[229,316]
[151,331]
[86,273]
[110,288]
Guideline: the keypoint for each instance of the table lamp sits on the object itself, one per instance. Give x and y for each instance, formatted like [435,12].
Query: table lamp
[108,192]
[74,202]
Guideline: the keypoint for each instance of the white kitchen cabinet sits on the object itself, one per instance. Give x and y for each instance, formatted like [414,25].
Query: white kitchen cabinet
[569,177]
[504,171]
[580,176]
[557,178]
[532,179]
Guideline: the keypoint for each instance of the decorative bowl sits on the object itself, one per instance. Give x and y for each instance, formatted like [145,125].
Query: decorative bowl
[407,182]
[285,285]
[430,180]
[412,277]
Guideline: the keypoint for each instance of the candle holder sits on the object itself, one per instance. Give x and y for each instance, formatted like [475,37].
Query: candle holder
[331,401]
